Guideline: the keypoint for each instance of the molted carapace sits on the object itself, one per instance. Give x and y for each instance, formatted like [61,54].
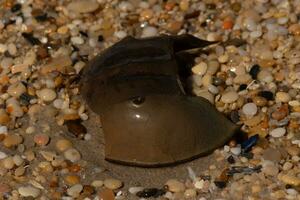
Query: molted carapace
[148,119]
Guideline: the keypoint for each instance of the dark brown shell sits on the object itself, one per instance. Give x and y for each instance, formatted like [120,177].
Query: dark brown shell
[147,117]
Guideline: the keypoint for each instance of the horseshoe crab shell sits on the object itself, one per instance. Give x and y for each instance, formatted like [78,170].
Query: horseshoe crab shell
[147,117]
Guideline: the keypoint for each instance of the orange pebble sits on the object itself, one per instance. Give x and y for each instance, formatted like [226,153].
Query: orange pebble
[227,24]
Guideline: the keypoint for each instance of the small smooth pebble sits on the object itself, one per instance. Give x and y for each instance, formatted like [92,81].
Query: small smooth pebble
[47,94]
[149,31]
[75,190]
[112,183]
[134,190]
[83,6]
[236,150]
[18,160]
[190,193]
[16,89]
[8,163]
[229,97]
[12,140]
[63,144]
[278,132]
[29,191]
[41,139]
[2,155]
[200,69]
[175,185]
[249,109]
[72,155]
[97,183]
[282,97]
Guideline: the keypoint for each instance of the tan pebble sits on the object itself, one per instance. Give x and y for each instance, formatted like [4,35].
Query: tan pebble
[174,26]
[46,166]
[16,89]
[175,185]
[260,101]
[279,194]
[242,79]
[72,179]
[190,193]
[46,94]
[63,30]
[29,154]
[41,139]
[253,121]
[206,80]
[63,145]
[83,6]
[146,14]
[112,183]
[289,179]
[75,190]
[229,97]
[4,188]
[4,117]
[72,155]
[20,171]
[12,140]
[287,166]
[293,150]
[256,188]
[294,29]
[97,183]
[8,163]
[200,69]
[282,97]
[184,5]
[18,160]
[106,194]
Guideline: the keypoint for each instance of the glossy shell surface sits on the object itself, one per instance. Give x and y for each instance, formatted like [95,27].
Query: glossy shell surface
[148,118]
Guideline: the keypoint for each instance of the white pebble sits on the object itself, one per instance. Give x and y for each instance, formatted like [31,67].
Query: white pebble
[229,97]
[249,109]
[3,129]
[72,155]
[75,190]
[120,34]
[278,132]
[212,89]
[149,31]
[134,190]
[2,155]
[199,184]
[46,94]
[200,69]
[18,160]
[265,76]
[29,191]
[77,40]
[236,150]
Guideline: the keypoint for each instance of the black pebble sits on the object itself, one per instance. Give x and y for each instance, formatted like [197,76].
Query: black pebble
[254,71]
[16,7]
[30,38]
[234,116]
[266,94]
[220,184]
[42,17]
[100,38]
[231,160]
[242,87]
[217,81]
[150,192]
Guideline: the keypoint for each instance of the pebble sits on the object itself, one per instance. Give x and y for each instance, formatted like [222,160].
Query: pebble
[289,179]
[41,139]
[63,144]
[72,179]
[200,69]
[97,183]
[175,185]
[75,190]
[8,163]
[112,183]
[134,190]
[4,188]
[278,132]
[249,109]
[72,155]
[282,97]
[293,150]
[236,150]
[272,154]
[2,155]
[16,89]
[47,94]
[149,31]
[83,6]
[12,140]
[29,191]
[190,193]
[229,97]
[287,166]
[270,169]
[18,160]
[265,76]
[106,194]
